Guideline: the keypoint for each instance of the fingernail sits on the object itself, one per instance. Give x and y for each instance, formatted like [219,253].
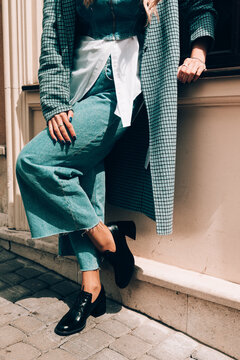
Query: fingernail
[54,141]
[70,119]
[62,141]
[74,138]
[68,142]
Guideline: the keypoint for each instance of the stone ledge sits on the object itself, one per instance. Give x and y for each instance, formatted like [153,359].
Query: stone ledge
[22,237]
[3,219]
[188,282]
[193,303]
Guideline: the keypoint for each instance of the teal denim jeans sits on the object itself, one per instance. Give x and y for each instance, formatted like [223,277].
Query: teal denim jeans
[63,186]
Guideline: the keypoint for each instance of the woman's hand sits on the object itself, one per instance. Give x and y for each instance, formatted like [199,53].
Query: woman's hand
[58,126]
[194,66]
[190,70]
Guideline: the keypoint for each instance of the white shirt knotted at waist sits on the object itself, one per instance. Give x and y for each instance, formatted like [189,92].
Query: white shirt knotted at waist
[90,56]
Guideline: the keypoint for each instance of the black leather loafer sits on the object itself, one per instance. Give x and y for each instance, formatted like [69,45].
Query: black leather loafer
[75,319]
[122,259]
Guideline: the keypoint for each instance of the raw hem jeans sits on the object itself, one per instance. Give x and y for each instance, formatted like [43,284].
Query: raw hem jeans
[63,186]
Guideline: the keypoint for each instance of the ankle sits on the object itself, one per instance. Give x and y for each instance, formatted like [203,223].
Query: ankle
[110,245]
[102,237]
[93,289]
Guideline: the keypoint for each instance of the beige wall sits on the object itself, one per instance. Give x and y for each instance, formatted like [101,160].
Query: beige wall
[2,106]
[206,235]
[3,163]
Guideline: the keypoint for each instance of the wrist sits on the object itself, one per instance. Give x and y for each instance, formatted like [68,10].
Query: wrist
[199,49]
[198,54]
[198,58]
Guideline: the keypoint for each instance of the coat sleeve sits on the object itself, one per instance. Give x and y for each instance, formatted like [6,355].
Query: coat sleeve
[200,17]
[53,77]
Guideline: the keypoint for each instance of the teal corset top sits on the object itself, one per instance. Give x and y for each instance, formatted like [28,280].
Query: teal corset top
[111,19]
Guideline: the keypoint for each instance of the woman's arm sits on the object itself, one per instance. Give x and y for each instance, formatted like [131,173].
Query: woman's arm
[200,16]
[52,75]
[192,67]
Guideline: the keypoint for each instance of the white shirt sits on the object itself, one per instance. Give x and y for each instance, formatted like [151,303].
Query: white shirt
[90,56]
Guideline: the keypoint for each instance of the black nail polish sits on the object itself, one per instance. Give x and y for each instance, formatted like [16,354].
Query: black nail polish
[62,141]
[54,141]
[68,142]
[74,138]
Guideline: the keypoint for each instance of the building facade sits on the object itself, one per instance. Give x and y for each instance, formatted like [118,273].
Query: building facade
[192,276]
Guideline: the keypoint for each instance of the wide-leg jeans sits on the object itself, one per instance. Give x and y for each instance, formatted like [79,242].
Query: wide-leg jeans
[63,186]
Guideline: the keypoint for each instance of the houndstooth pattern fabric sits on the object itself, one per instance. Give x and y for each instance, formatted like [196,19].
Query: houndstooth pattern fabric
[158,73]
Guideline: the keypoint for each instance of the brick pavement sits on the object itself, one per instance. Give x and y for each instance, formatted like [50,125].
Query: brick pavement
[33,299]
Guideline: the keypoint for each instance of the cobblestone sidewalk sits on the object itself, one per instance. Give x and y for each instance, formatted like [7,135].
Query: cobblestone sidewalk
[33,299]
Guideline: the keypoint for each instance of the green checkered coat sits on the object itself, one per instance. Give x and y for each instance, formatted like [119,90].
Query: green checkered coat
[129,184]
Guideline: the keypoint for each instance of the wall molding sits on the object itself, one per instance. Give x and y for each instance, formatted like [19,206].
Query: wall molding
[210,101]
[22,26]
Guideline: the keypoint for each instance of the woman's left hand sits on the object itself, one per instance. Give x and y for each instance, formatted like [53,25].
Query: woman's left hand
[190,70]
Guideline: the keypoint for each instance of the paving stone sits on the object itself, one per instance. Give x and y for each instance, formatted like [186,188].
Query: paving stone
[107,354]
[206,353]
[27,324]
[15,293]
[49,330]
[25,261]
[27,327]
[146,357]
[39,267]
[46,293]
[34,284]
[6,255]
[130,318]
[49,313]
[113,307]
[113,327]
[58,354]
[175,347]
[19,351]
[130,346]
[4,301]
[34,302]
[45,340]
[12,278]
[10,266]
[51,278]
[104,317]
[152,332]
[89,343]
[33,265]
[111,310]
[10,312]
[29,272]
[9,335]
[65,287]
[3,285]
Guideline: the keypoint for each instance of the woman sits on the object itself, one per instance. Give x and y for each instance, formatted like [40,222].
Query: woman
[99,63]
